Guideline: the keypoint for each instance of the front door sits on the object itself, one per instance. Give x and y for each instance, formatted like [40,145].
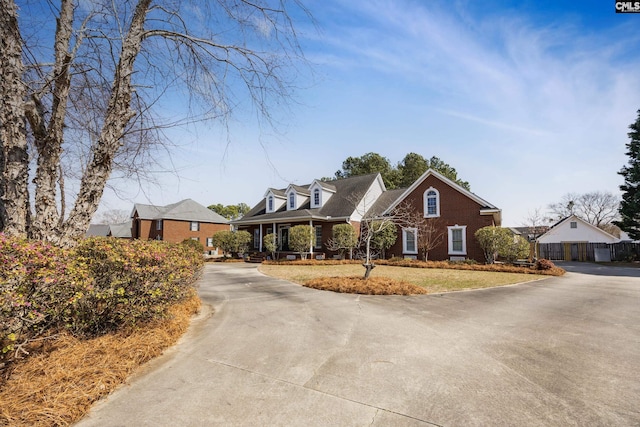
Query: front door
[284,239]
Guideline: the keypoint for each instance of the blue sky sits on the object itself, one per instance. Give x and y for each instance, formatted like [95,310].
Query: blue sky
[528,100]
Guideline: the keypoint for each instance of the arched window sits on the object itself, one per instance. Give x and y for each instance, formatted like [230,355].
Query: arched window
[270,204]
[292,200]
[431,203]
[316,197]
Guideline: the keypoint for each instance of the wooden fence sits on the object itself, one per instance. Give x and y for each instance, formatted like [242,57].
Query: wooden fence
[624,251]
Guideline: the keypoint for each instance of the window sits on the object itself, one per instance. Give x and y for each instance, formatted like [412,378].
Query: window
[410,240]
[195,226]
[431,203]
[292,200]
[318,244]
[316,197]
[574,224]
[158,224]
[270,204]
[256,238]
[209,242]
[197,239]
[457,240]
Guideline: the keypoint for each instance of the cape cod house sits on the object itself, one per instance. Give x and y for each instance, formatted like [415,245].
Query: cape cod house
[323,204]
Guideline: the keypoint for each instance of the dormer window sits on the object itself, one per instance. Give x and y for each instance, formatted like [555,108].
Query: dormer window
[316,197]
[292,200]
[431,203]
[270,204]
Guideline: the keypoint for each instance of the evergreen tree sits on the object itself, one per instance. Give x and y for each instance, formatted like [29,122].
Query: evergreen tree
[630,205]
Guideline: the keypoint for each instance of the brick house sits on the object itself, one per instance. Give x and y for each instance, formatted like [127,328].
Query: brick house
[322,204]
[457,212]
[177,222]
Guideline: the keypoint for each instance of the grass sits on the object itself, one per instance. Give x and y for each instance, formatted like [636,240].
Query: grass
[431,279]
[58,386]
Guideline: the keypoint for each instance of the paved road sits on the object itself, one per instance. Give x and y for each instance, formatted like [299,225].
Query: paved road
[557,352]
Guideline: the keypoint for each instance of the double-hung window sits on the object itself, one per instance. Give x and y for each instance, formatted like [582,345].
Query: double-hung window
[195,226]
[410,240]
[457,239]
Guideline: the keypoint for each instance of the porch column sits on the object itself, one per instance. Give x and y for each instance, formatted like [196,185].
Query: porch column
[260,244]
[311,241]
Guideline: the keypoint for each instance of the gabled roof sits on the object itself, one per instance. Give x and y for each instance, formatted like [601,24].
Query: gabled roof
[486,207]
[299,189]
[122,230]
[95,230]
[185,210]
[348,192]
[566,222]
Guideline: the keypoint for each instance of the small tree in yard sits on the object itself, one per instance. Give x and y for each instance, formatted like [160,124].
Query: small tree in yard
[301,239]
[490,240]
[517,248]
[385,236]
[344,238]
[232,241]
[270,243]
[498,241]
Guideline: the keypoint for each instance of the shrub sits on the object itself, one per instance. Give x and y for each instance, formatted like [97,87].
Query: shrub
[232,241]
[301,239]
[98,286]
[195,244]
[544,264]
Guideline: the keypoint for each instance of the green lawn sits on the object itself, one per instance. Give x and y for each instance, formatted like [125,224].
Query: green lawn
[434,280]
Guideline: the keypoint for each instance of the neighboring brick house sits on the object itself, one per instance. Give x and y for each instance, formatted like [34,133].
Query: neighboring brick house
[177,222]
[322,204]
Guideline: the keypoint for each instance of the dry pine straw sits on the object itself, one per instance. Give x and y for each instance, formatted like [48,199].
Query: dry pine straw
[57,388]
[360,285]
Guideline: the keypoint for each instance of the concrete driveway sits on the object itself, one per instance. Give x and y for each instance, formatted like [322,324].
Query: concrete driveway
[556,352]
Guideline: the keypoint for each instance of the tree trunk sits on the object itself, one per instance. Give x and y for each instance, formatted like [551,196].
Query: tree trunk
[48,140]
[14,159]
[118,116]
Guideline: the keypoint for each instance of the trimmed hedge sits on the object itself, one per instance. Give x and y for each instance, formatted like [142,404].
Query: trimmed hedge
[96,287]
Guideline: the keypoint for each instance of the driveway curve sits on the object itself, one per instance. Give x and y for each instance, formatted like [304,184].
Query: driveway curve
[560,351]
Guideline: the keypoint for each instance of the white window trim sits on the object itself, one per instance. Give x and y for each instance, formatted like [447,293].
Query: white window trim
[318,244]
[270,204]
[313,198]
[197,226]
[209,242]
[158,225]
[405,231]
[425,203]
[450,239]
[295,201]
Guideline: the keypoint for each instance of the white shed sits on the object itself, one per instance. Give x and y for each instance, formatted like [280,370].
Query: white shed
[575,230]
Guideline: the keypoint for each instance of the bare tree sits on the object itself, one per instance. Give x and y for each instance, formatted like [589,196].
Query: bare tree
[88,105]
[114,216]
[430,234]
[597,207]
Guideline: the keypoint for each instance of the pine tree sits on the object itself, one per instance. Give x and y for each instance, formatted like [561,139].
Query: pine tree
[630,205]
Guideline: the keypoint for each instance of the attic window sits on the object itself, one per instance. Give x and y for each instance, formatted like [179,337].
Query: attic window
[270,204]
[316,197]
[292,200]
[574,224]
